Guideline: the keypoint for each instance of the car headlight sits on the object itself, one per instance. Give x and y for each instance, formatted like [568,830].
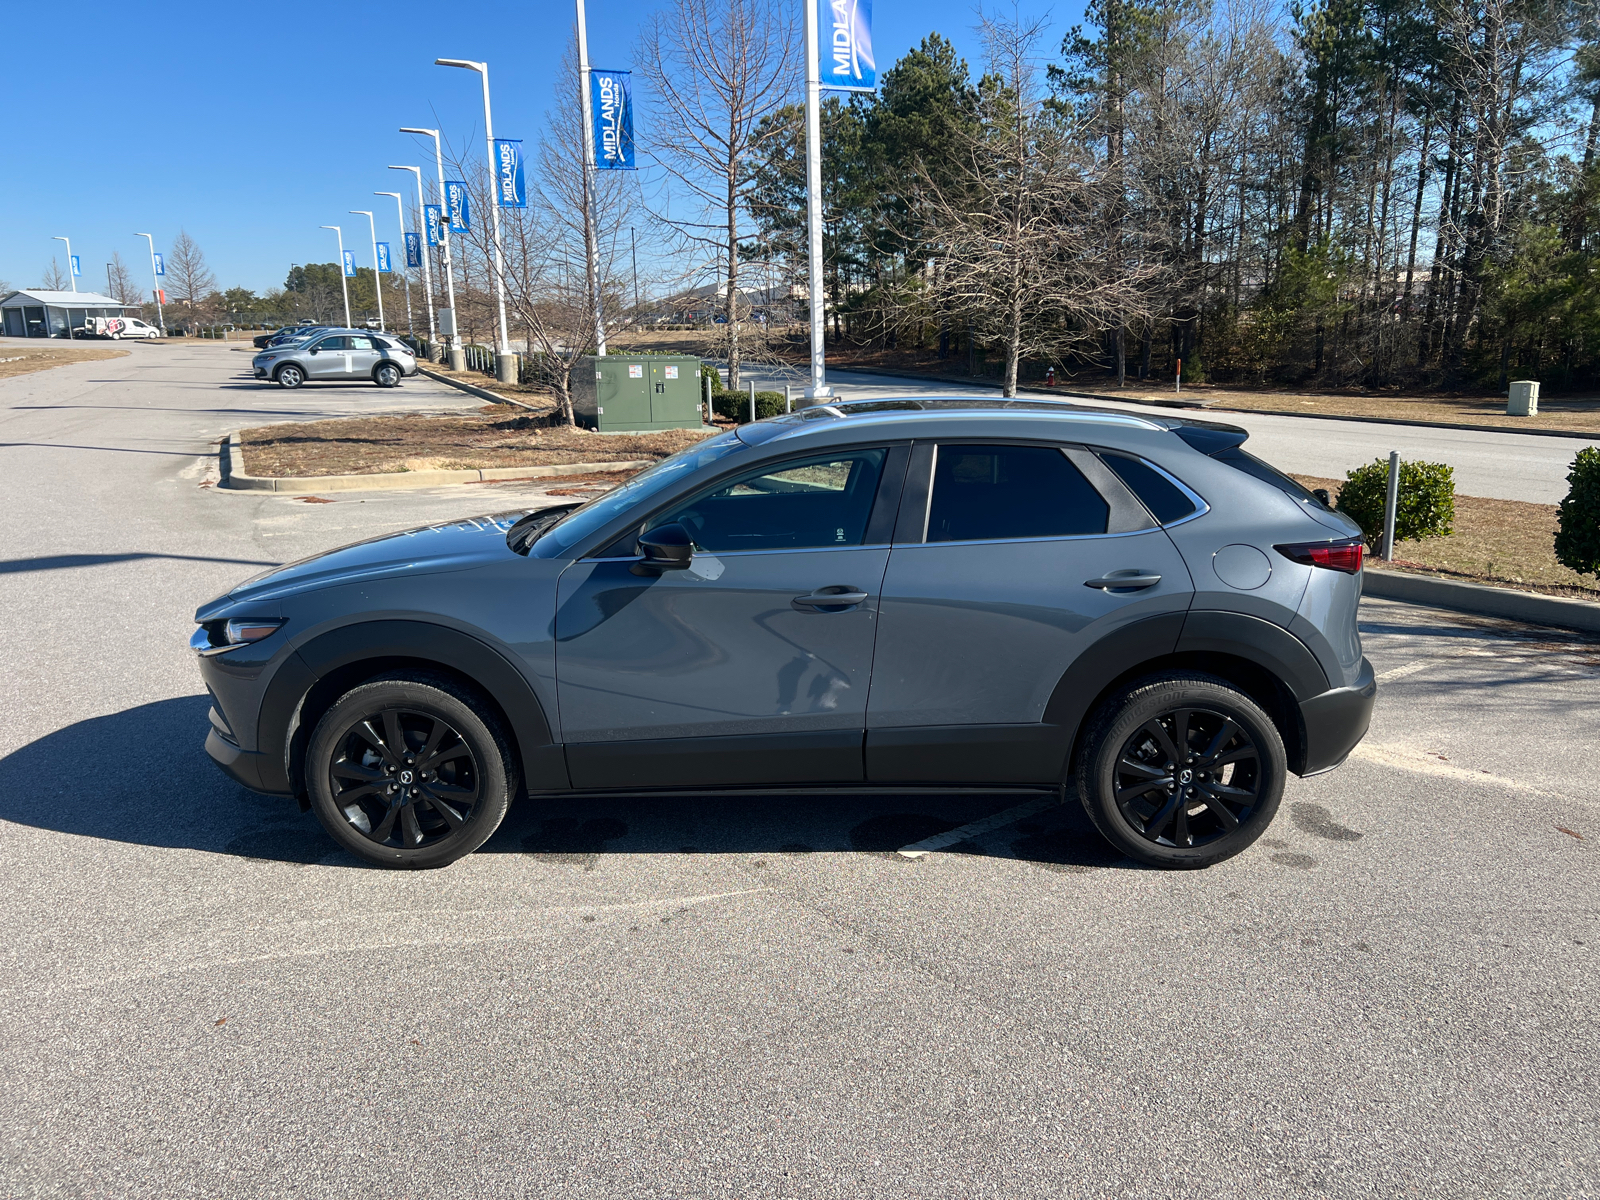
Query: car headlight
[213,637]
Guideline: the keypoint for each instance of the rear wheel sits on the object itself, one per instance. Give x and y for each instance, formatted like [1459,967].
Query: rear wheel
[387,375]
[290,376]
[410,771]
[1181,771]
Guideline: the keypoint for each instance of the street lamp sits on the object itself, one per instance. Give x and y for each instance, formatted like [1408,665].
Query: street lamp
[427,270]
[458,357]
[70,276]
[343,285]
[377,275]
[400,212]
[161,316]
[505,369]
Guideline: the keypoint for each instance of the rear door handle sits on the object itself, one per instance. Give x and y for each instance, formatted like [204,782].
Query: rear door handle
[1124,581]
[834,597]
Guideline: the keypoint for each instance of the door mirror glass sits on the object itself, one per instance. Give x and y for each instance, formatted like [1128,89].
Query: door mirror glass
[664,548]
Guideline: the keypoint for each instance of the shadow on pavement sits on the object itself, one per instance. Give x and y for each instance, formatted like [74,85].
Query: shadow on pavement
[141,776]
[59,562]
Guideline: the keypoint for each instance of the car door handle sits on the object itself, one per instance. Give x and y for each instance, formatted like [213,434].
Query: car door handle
[835,597]
[1124,581]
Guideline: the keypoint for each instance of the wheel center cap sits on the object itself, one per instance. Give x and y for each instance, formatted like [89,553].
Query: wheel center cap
[1184,776]
[405,776]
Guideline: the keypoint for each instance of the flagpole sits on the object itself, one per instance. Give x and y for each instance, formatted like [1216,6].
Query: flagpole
[590,241]
[819,388]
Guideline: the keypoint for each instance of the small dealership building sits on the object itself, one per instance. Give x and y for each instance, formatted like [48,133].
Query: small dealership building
[35,312]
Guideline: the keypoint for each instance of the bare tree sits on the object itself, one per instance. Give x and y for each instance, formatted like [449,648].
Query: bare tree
[1021,229]
[120,280]
[55,279]
[187,274]
[716,69]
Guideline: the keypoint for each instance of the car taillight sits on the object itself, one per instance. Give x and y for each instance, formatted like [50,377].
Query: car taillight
[1343,556]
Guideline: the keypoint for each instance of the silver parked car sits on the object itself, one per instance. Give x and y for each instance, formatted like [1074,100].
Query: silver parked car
[338,355]
[899,594]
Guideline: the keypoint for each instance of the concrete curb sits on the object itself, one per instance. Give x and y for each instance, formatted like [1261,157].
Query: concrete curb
[235,479]
[474,389]
[1527,607]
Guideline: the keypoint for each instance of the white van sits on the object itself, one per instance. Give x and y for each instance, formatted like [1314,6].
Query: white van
[117,328]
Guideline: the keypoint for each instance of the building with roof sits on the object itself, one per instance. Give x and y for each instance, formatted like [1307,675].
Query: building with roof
[38,312]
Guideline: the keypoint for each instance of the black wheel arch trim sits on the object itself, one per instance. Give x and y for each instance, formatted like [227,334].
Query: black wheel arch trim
[394,643]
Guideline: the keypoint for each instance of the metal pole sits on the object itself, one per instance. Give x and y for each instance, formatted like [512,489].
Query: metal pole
[427,270]
[1391,501]
[710,412]
[819,387]
[752,399]
[71,278]
[161,316]
[458,359]
[591,245]
[788,398]
[400,215]
[634,244]
[377,275]
[344,283]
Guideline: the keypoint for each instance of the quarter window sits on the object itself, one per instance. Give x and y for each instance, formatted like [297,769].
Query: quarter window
[1165,500]
[985,493]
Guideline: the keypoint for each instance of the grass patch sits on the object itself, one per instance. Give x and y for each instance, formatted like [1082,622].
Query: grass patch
[27,359]
[1506,543]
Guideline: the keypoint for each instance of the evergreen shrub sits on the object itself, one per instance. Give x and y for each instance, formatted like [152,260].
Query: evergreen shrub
[1425,507]
[1578,521]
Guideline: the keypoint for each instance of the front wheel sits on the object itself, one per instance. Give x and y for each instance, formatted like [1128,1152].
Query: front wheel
[410,771]
[290,376]
[387,375]
[1181,770]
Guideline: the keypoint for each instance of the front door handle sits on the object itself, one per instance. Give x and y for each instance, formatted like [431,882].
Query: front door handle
[1131,580]
[830,599]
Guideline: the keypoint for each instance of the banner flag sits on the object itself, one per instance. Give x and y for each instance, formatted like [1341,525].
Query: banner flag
[349,264]
[161,263]
[432,217]
[458,205]
[413,251]
[384,268]
[77,267]
[511,189]
[161,295]
[611,101]
[844,44]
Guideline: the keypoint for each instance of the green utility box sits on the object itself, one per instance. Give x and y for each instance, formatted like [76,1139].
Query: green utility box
[618,394]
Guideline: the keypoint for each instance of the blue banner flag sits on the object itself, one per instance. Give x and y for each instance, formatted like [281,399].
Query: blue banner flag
[611,101]
[511,190]
[432,217]
[384,267]
[350,264]
[77,267]
[161,263]
[413,251]
[458,205]
[844,45]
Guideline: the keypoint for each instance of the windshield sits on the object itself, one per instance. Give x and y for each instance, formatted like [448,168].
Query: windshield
[603,509]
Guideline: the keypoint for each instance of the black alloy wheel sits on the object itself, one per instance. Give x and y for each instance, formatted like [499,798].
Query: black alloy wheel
[1181,770]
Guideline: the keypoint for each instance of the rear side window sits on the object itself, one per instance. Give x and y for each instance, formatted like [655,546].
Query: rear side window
[981,493]
[1165,500]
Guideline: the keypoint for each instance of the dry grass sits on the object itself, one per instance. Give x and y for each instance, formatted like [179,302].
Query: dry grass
[27,359]
[493,436]
[1503,542]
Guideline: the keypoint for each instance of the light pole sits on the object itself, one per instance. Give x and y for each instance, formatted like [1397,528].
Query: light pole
[344,286]
[591,242]
[161,316]
[634,245]
[377,275]
[400,213]
[458,356]
[505,367]
[70,276]
[819,387]
[427,270]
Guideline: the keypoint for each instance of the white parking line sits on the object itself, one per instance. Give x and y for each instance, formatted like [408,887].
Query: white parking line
[1000,819]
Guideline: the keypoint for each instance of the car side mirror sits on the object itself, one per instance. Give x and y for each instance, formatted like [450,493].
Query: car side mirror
[664,548]
[1322,495]
[313,350]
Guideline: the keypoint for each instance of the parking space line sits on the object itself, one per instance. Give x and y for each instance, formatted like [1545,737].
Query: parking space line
[977,828]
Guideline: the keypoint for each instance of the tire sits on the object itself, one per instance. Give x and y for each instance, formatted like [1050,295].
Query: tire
[290,376]
[1133,764]
[379,802]
[387,375]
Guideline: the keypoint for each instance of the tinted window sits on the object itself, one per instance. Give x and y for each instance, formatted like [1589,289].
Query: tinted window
[1240,460]
[986,492]
[1160,495]
[332,343]
[800,504]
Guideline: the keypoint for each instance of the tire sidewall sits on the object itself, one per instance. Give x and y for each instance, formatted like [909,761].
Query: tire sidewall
[387,376]
[290,377]
[1117,720]
[436,697]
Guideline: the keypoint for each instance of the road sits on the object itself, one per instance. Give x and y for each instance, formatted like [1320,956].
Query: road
[1392,994]
[1504,466]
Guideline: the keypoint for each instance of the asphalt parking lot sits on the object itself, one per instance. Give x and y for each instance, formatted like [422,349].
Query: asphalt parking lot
[1393,994]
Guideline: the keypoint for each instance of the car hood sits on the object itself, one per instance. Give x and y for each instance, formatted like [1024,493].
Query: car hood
[455,546]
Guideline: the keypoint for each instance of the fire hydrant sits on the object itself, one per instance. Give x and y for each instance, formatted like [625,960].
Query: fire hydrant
[1050,377]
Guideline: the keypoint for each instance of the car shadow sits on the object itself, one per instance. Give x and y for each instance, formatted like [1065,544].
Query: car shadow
[142,776]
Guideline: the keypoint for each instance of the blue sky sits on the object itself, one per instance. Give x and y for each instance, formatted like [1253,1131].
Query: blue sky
[250,127]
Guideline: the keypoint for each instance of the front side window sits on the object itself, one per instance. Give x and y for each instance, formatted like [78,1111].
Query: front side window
[801,504]
[988,493]
[331,343]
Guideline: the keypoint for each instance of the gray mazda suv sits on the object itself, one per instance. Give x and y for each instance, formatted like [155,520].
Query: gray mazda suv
[881,593]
